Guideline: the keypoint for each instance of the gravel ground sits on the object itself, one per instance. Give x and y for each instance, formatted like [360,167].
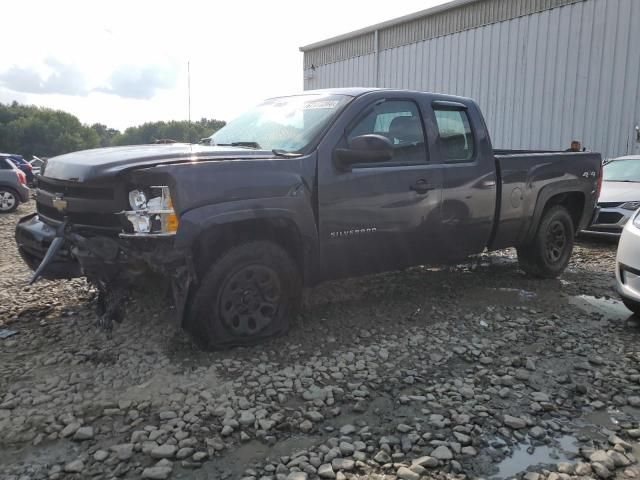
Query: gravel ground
[472,371]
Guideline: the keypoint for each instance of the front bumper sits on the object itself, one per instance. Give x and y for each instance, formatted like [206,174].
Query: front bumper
[628,263]
[34,238]
[609,222]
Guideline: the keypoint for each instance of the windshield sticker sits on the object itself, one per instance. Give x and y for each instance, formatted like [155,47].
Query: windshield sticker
[321,104]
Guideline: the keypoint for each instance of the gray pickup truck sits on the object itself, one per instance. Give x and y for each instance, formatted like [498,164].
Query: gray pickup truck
[300,190]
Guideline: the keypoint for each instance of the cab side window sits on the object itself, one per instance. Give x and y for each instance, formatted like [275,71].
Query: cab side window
[455,136]
[400,122]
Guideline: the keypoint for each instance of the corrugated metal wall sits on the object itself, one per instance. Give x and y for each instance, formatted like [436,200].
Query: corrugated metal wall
[541,80]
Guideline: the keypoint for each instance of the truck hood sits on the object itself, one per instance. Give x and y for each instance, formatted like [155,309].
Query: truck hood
[106,162]
[619,192]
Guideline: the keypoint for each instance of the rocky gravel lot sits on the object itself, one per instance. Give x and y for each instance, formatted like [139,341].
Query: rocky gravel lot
[472,371]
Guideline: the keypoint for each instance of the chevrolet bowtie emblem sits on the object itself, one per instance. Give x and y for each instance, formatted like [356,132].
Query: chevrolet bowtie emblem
[59,203]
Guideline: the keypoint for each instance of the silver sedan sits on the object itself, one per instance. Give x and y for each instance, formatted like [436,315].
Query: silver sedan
[619,198]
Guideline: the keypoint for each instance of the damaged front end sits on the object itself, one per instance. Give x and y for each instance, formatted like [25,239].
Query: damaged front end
[112,261]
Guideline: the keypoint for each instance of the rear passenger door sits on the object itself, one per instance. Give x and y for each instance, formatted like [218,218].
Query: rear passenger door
[469,179]
[380,216]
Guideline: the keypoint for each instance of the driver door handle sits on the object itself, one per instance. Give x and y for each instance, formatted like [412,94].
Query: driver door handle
[422,186]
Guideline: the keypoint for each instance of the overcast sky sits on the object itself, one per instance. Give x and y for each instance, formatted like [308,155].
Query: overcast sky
[124,63]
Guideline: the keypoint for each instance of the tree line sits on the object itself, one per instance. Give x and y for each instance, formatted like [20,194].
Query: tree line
[30,130]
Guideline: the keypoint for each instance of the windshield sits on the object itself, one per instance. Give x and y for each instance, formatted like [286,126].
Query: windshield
[622,171]
[286,123]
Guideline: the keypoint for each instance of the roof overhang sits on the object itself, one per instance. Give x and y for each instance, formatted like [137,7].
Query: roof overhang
[389,23]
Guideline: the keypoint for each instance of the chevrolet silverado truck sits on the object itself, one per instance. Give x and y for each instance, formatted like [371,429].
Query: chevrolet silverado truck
[299,190]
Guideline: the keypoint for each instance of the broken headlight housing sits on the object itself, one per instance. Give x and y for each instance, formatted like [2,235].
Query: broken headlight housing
[152,212]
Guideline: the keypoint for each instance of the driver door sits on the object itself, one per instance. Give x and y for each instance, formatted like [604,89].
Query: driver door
[381,216]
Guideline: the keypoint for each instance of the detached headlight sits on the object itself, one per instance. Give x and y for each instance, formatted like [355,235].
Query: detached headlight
[631,205]
[152,215]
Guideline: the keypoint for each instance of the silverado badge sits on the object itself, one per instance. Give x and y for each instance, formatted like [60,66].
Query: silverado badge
[59,203]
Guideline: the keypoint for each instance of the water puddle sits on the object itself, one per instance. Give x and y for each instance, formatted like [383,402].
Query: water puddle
[600,424]
[563,449]
[609,307]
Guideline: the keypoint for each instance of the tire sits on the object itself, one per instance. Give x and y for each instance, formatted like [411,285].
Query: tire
[249,294]
[632,305]
[9,200]
[548,254]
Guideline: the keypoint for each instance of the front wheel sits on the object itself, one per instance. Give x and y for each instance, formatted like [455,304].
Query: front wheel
[548,254]
[251,293]
[8,200]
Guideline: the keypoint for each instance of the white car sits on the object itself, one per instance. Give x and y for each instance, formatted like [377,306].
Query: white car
[628,264]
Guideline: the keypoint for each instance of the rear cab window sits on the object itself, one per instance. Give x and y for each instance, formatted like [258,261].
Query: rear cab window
[454,135]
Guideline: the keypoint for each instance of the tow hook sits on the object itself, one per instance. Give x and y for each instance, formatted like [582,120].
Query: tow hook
[57,242]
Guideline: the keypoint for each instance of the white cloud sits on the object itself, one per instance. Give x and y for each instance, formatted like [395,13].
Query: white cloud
[239,52]
[140,82]
[52,76]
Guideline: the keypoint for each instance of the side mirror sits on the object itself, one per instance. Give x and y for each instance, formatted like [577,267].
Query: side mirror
[370,148]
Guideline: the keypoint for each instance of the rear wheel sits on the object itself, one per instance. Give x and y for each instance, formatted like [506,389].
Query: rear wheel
[8,200]
[251,293]
[549,252]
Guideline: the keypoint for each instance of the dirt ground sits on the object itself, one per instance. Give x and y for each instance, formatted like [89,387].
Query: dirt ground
[472,371]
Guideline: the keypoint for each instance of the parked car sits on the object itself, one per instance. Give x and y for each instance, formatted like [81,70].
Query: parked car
[22,164]
[13,186]
[628,264]
[619,198]
[299,190]
[37,164]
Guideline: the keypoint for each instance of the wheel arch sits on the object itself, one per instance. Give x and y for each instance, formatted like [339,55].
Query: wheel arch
[215,240]
[575,201]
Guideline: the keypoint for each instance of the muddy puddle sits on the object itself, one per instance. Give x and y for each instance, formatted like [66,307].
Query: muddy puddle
[609,307]
[563,449]
[591,429]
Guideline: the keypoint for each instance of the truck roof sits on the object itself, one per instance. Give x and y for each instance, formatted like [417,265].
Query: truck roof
[357,91]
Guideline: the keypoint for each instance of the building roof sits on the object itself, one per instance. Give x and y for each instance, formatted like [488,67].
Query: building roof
[438,21]
[389,23]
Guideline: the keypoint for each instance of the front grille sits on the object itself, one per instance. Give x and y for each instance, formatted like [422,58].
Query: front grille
[92,205]
[104,220]
[609,204]
[609,217]
[75,191]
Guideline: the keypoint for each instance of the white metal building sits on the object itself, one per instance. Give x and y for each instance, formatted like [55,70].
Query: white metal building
[544,72]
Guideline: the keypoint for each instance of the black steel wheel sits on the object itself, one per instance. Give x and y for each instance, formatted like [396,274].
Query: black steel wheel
[250,293]
[556,241]
[249,300]
[549,252]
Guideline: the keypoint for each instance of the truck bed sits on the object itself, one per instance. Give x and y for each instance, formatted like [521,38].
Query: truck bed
[530,178]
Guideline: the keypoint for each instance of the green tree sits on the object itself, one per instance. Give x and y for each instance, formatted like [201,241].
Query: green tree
[178,130]
[105,134]
[29,130]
